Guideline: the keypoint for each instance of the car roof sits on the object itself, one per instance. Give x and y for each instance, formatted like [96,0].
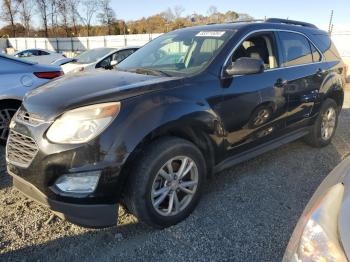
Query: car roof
[260,24]
[37,49]
[128,47]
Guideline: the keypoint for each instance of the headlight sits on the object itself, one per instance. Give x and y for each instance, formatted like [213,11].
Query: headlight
[320,239]
[83,124]
[81,183]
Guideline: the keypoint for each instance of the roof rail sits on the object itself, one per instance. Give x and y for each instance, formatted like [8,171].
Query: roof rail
[240,21]
[289,22]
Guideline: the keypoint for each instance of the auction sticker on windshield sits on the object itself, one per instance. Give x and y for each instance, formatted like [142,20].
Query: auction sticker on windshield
[211,33]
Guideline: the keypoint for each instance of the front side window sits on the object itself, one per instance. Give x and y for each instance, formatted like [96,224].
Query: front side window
[296,49]
[121,55]
[259,46]
[182,52]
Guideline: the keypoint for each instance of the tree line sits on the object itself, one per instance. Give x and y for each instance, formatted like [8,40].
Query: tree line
[69,18]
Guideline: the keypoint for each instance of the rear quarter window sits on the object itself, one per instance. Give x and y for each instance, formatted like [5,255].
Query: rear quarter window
[327,47]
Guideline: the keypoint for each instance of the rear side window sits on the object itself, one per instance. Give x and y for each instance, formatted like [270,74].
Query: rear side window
[43,53]
[296,49]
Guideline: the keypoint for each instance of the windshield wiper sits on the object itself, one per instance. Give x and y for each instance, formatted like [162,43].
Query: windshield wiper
[149,71]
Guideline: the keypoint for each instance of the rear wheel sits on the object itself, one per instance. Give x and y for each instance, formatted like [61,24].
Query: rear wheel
[7,111]
[325,125]
[166,183]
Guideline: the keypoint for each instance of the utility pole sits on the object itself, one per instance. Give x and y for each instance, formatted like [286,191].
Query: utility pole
[330,26]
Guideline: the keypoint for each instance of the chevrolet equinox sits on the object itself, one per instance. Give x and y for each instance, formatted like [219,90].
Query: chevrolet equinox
[190,103]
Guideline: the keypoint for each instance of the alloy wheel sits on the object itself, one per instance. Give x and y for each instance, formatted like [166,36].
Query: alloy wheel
[174,186]
[5,119]
[329,119]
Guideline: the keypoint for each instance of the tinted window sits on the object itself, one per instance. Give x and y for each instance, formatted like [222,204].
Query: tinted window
[328,48]
[43,53]
[121,55]
[105,62]
[35,52]
[296,49]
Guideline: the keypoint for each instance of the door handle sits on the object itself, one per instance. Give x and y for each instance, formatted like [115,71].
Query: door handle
[320,72]
[280,83]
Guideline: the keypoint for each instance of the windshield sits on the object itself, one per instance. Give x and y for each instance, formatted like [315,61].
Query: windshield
[182,52]
[92,56]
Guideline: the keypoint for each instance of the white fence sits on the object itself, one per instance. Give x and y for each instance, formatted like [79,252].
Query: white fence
[342,42]
[81,43]
[3,44]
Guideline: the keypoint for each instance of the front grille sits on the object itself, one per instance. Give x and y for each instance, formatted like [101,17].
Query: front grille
[20,149]
[28,118]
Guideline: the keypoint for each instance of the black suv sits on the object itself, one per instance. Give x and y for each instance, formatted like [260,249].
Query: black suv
[190,103]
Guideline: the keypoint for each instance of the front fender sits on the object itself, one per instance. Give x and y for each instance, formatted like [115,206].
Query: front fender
[146,115]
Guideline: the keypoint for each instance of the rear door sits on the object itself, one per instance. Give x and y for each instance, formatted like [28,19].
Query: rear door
[302,75]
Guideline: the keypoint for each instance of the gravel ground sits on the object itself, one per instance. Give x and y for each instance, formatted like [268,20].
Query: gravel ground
[247,213]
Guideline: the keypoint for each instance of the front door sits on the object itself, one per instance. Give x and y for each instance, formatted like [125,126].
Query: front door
[254,107]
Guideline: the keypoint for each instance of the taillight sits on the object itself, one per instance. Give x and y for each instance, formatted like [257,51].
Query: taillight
[49,75]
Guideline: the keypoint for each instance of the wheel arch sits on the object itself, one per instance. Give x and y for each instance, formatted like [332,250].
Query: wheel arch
[193,133]
[11,101]
[333,87]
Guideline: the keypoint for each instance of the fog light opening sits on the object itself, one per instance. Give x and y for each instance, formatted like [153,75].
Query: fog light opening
[79,183]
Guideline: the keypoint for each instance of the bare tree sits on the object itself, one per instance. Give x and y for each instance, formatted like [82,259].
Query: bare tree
[26,13]
[9,13]
[178,11]
[89,9]
[107,15]
[214,15]
[212,10]
[53,10]
[43,9]
[73,10]
[168,15]
[62,8]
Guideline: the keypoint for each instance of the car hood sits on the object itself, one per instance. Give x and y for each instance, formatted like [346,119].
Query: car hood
[88,88]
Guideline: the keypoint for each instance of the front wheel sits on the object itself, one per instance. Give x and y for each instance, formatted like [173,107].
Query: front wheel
[325,125]
[165,185]
[6,114]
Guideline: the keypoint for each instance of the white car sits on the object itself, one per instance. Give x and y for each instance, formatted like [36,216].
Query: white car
[105,58]
[39,56]
[17,77]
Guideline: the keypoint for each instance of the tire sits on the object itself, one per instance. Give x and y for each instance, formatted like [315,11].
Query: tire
[316,137]
[145,180]
[7,111]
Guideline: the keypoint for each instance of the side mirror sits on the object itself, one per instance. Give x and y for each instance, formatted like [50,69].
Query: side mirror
[245,66]
[114,63]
